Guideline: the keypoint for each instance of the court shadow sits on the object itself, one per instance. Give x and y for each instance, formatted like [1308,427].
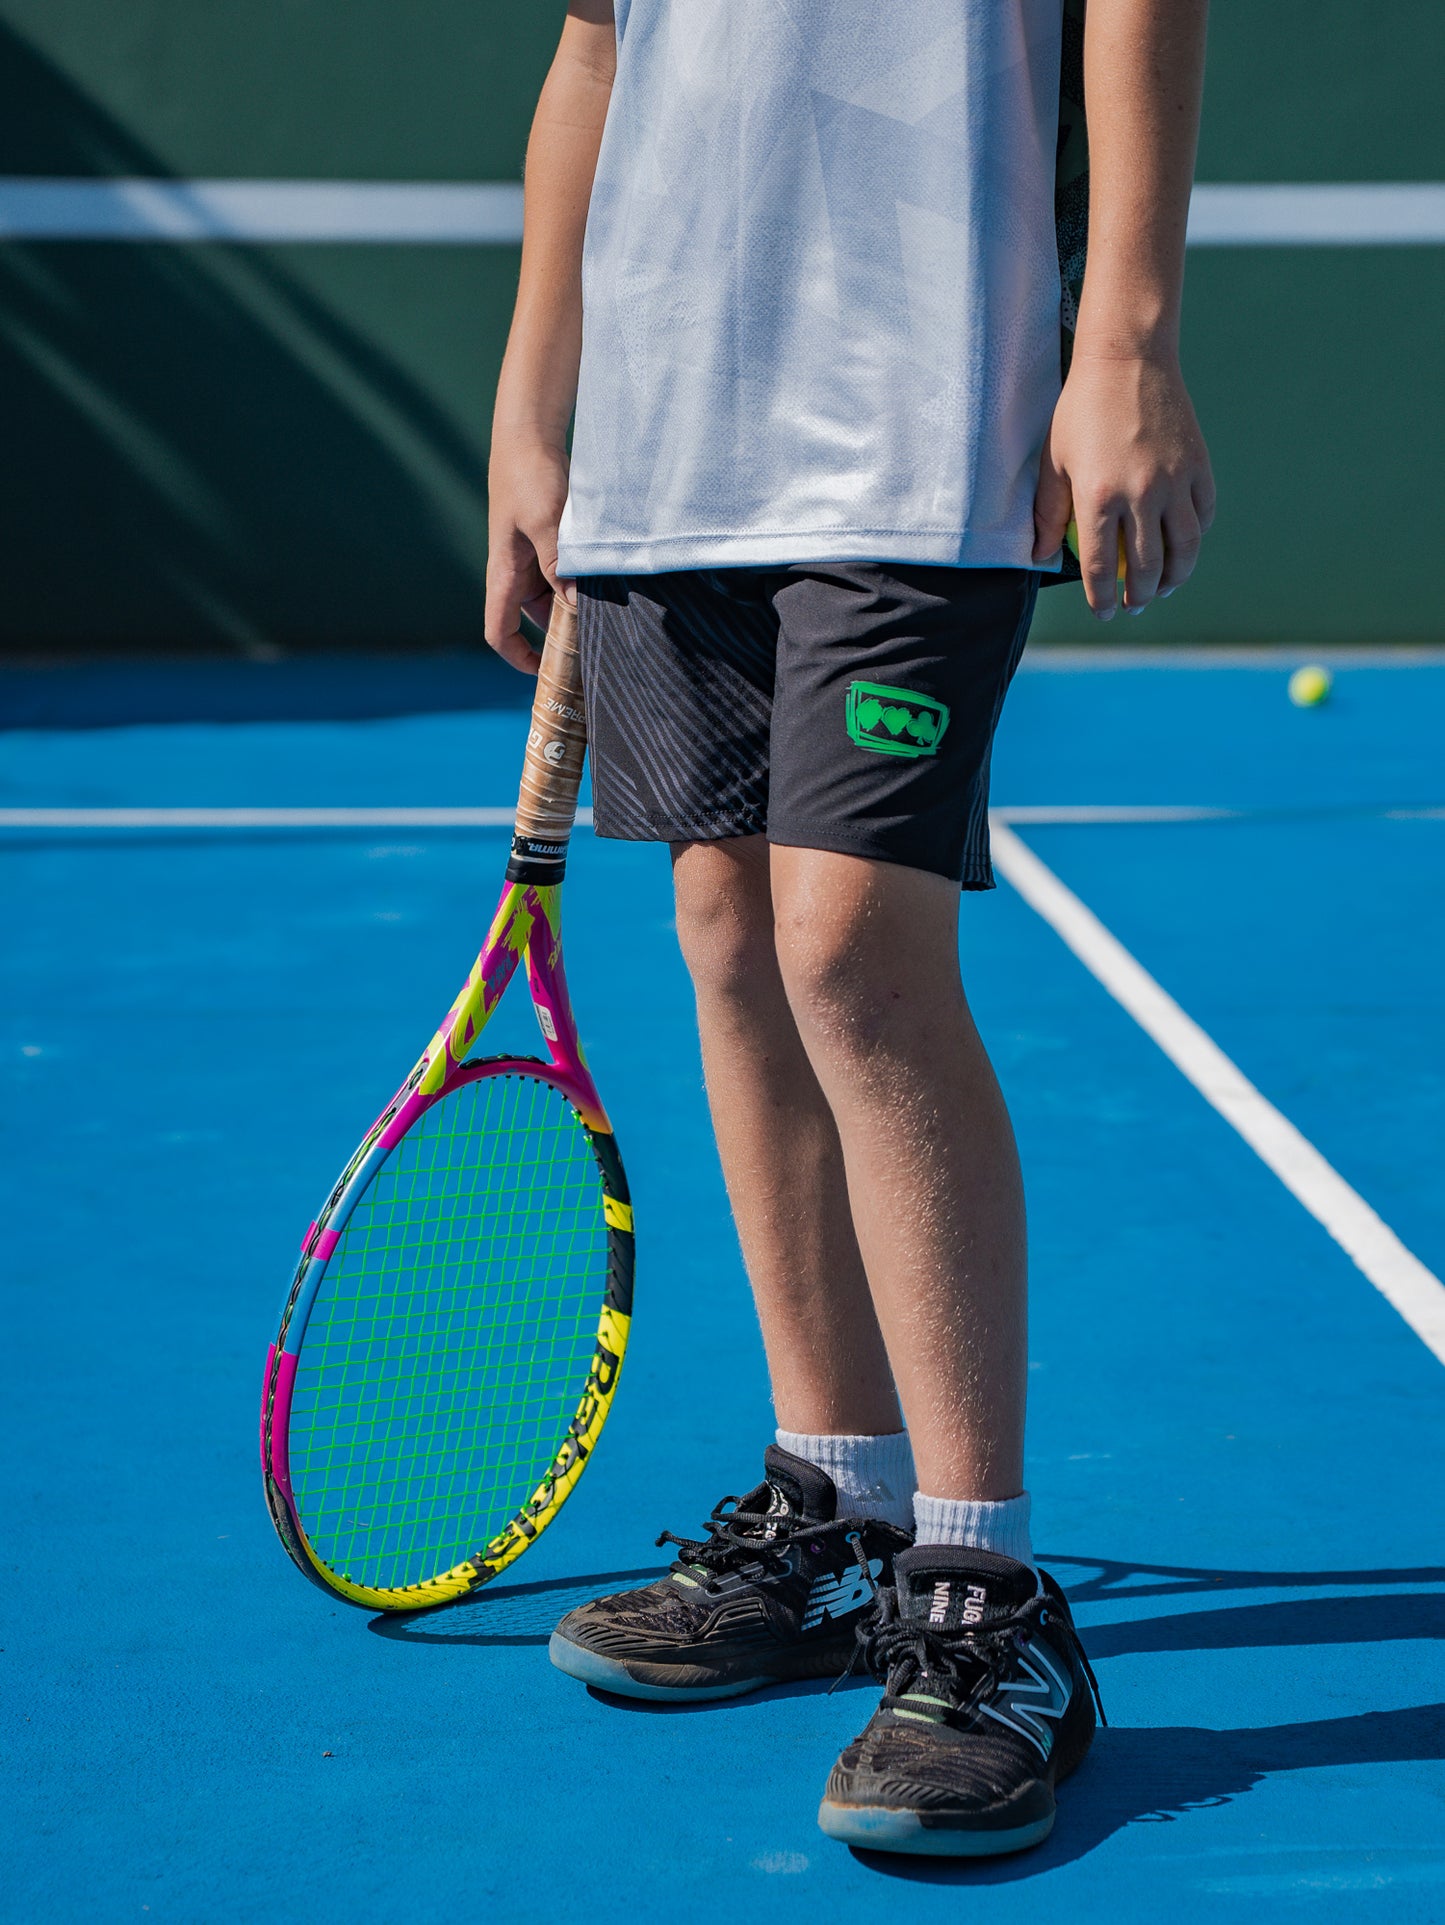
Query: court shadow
[1157,1776]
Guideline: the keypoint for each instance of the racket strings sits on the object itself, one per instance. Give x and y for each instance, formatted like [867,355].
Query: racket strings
[450,1341]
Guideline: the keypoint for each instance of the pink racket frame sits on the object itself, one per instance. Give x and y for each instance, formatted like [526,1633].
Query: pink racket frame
[526,926]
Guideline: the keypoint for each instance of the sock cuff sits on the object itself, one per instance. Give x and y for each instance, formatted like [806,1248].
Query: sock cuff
[873,1476]
[1001,1527]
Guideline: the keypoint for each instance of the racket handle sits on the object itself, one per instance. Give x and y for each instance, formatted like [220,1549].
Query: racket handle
[556,750]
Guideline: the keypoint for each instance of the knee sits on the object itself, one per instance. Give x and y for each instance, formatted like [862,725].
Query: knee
[836,971]
[724,919]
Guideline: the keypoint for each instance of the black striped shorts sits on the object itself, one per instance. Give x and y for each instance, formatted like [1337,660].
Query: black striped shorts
[847,706]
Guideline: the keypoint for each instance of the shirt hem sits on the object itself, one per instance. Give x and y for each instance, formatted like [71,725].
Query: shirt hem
[669,554]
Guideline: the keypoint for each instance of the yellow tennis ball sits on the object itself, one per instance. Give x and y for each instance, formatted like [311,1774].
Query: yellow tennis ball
[1309,686]
[1071,536]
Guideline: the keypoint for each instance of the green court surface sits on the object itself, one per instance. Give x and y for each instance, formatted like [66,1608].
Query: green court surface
[1237,1432]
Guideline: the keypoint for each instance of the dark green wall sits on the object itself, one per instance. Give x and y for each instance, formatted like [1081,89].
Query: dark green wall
[1317,372]
[240,447]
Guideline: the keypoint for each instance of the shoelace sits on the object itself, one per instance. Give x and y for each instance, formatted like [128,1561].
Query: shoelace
[899,1650]
[728,1548]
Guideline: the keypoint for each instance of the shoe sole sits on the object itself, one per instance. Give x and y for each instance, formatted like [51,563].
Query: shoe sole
[611,1674]
[880,1828]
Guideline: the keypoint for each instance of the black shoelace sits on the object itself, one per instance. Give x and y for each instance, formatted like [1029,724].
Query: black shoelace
[730,1546]
[972,1659]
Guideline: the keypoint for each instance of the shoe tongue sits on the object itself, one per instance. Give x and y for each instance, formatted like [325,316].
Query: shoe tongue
[792,1488]
[951,1587]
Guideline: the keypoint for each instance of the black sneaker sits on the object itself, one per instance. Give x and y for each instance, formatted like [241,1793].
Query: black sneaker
[775,1591]
[988,1702]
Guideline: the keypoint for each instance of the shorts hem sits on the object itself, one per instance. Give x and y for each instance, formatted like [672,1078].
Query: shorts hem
[971,874]
[715,828]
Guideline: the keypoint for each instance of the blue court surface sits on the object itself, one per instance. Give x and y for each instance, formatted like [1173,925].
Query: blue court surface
[1237,1442]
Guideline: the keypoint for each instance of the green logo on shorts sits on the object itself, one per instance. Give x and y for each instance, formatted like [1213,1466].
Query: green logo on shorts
[893,721]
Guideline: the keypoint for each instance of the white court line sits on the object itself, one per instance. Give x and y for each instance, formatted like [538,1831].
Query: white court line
[264,818]
[1038,814]
[1396,1272]
[1090,812]
[489,213]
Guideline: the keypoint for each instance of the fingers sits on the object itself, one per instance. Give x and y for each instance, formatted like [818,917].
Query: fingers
[1183,537]
[515,649]
[1142,555]
[522,579]
[1102,557]
[1133,554]
[515,584]
[1053,507]
[538,609]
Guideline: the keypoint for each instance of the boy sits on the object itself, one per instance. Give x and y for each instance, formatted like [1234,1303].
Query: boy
[823,453]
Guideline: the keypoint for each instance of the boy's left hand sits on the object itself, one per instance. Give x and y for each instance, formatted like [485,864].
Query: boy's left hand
[1125,458]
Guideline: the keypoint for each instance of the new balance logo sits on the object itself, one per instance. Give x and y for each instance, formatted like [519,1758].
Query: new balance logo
[1025,1700]
[835,1597]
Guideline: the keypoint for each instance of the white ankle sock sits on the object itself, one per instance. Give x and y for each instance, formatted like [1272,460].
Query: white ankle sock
[1002,1527]
[873,1476]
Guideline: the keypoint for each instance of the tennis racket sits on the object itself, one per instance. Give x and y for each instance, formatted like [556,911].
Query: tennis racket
[450,1347]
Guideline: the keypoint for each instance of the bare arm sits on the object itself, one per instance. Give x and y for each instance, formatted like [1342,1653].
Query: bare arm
[1125,448]
[538,385]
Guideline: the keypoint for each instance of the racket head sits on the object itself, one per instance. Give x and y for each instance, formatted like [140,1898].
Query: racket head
[453,1340]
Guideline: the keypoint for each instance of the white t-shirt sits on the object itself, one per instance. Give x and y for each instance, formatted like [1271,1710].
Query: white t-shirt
[820,286]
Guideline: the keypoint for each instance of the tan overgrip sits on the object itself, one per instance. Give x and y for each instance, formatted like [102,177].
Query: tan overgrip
[556,750]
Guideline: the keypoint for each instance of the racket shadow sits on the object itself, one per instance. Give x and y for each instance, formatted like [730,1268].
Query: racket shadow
[506,1614]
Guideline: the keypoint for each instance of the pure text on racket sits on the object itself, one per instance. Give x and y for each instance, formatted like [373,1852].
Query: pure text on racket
[451,1343]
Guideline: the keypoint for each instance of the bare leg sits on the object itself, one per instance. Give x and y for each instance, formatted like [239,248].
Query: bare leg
[780,1152]
[869,956]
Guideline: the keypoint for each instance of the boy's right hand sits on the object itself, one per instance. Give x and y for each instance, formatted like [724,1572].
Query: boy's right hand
[528,489]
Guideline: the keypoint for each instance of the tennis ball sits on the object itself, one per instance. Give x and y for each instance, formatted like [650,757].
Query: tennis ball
[1071,536]
[1309,686]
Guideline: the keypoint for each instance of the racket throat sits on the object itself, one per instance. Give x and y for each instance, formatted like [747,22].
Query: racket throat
[537,862]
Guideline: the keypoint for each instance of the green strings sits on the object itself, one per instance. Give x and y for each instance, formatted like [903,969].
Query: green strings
[451,1337]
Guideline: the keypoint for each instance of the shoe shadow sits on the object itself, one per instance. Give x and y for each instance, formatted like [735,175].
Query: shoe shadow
[1157,1776]
[1097,1580]
[745,1701]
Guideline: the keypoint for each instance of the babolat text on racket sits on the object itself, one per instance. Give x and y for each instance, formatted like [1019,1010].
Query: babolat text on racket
[451,1344]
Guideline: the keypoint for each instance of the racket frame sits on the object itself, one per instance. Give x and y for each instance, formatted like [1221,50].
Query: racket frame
[526,929]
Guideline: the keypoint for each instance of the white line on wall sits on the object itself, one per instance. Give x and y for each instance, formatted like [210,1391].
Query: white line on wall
[1318,214]
[1396,1272]
[420,213]
[489,213]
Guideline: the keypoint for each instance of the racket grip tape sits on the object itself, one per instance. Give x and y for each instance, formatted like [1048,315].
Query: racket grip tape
[556,750]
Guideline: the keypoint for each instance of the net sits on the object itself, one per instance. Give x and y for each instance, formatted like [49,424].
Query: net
[450,1340]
